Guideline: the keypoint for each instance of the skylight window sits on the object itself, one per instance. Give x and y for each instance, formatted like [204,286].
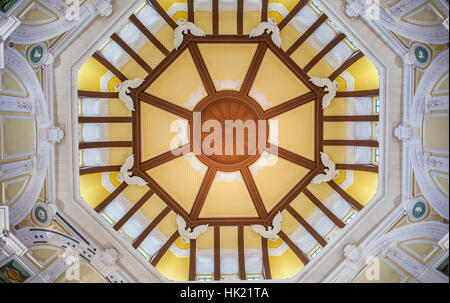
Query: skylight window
[130,34]
[148,16]
[112,52]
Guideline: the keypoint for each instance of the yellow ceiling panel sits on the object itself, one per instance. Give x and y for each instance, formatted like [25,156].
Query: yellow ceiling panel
[206,239]
[304,54]
[118,155]
[365,74]
[334,130]
[321,191]
[303,206]
[203,19]
[120,131]
[285,266]
[151,54]
[153,207]
[165,36]
[168,225]
[289,223]
[251,20]
[251,238]
[364,186]
[228,237]
[288,35]
[227,23]
[134,193]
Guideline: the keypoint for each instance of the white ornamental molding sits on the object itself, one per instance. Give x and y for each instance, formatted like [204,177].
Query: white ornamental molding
[189,234]
[271,232]
[271,26]
[18,168]
[52,134]
[331,88]
[404,133]
[124,91]
[330,172]
[7,26]
[125,175]
[436,103]
[101,7]
[443,243]
[354,255]
[184,27]
[7,240]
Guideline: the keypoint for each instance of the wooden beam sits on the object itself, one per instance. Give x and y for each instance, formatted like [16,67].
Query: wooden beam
[102,60]
[202,193]
[253,69]
[244,221]
[111,197]
[217,253]
[265,258]
[133,209]
[291,157]
[192,259]
[190,5]
[105,119]
[150,227]
[149,35]
[202,69]
[370,143]
[215,17]
[290,105]
[98,169]
[349,62]
[164,158]
[306,225]
[306,34]
[165,105]
[292,13]
[86,145]
[164,248]
[358,118]
[353,203]
[241,253]
[297,251]
[97,95]
[240,17]
[131,52]
[324,51]
[359,167]
[264,10]
[254,193]
[323,208]
[162,13]
[360,93]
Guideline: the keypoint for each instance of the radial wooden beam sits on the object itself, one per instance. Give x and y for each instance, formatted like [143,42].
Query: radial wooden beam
[324,51]
[370,143]
[98,169]
[97,95]
[355,204]
[202,69]
[131,52]
[244,221]
[254,193]
[105,120]
[241,253]
[253,69]
[86,145]
[111,197]
[323,208]
[297,251]
[190,6]
[165,105]
[358,118]
[192,259]
[102,60]
[292,13]
[133,209]
[264,10]
[265,259]
[215,10]
[240,17]
[359,167]
[306,34]
[290,156]
[164,158]
[349,62]
[164,248]
[162,13]
[306,225]
[150,227]
[290,105]
[202,193]
[360,93]
[149,35]
[217,253]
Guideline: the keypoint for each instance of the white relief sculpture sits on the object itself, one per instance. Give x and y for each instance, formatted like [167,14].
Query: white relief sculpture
[271,232]
[331,88]
[52,134]
[189,234]
[260,98]
[228,84]
[103,7]
[124,89]
[196,97]
[330,172]
[125,175]
[184,27]
[272,27]
[228,177]
[404,133]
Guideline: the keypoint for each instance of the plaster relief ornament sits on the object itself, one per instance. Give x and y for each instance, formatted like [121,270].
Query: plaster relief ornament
[125,176]
[271,232]
[330,87]
[330,172]
[184,27]
[272,27]
[124,90]
[189,234]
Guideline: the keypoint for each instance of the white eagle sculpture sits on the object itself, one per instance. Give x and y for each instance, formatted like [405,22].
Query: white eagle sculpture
[272,27]
[189,234]
[125,175]
[330,87]
[184,27]
[271,232]
[330,172]
[124,89]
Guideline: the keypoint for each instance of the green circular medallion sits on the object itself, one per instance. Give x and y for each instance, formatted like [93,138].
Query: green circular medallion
[421,54]
[41,214]
[419,209]
[36,54]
